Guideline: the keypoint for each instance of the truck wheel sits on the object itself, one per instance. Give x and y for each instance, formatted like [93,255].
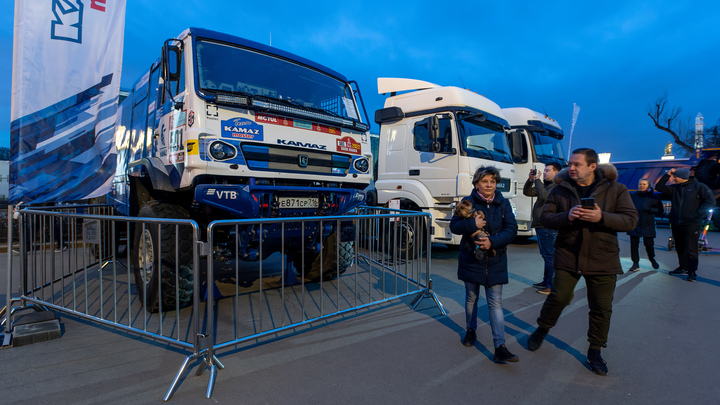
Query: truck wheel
[401,240]
[330,266]
[147,245]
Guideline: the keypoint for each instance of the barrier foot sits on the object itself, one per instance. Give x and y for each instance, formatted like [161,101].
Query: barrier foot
[427,294]
[211,383]
[176,381]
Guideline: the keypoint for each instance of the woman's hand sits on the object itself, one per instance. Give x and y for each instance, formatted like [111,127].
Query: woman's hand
[484,243]
[479,222]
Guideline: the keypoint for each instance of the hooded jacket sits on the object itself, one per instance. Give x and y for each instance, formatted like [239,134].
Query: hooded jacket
[501,228]
[648,205]
[583,247]
[691,201]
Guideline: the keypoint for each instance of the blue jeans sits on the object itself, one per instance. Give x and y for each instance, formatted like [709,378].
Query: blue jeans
[494,300]
[546,243]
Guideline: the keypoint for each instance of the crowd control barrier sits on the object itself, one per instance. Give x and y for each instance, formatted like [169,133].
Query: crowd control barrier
[157,278]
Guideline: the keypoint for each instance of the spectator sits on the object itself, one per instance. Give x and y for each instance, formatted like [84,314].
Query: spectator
[486,266]
[691,203]
[586,246]
[534,187]
[647,205]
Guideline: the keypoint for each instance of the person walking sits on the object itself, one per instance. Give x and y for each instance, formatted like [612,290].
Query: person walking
[691,203]
[648,205]
[587,207]
[534,187]
[486,266]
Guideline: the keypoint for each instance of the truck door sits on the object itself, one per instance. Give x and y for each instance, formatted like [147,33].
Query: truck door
[434,162]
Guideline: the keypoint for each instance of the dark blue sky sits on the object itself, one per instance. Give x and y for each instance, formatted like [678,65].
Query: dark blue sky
[612,58]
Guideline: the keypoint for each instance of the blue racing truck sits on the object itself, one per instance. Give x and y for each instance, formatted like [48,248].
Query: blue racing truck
[221,127]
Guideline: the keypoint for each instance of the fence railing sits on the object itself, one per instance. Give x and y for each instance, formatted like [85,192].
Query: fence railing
[156,278]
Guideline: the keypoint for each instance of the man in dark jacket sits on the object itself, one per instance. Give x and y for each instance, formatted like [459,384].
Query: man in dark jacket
[586,246]
[691,202]
[647,204]
[534,187]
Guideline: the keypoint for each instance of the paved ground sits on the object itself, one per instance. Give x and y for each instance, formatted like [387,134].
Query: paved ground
[662,350]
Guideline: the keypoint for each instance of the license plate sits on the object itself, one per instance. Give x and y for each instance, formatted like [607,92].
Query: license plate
[298,202]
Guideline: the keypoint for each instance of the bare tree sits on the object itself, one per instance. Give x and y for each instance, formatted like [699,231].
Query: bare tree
[668,120]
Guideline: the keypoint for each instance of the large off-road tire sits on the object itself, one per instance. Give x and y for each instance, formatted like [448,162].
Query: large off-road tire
[404,239]
[148,244]
[311,271]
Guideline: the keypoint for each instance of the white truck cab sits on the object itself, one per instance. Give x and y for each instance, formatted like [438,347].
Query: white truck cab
[432,140]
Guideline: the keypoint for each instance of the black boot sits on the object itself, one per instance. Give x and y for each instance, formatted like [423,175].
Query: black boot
[469,338]
[691,276]
[654,263]
[502,354]
[536,339]
[596,362]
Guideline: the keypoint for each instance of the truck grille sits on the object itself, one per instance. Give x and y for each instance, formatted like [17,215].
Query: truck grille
[288,159]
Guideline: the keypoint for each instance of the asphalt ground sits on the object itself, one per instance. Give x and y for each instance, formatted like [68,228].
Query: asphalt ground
[662,349]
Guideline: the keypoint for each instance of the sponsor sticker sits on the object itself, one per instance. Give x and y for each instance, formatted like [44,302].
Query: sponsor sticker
[242,128]
[191,118]
[192,147]
[289,122]
[348,145]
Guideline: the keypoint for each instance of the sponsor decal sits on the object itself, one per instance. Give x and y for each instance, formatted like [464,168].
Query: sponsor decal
[222,194]
[302,144]
[176,145]
[241,128]
[191,118]
[211,110]
[192,148]
[289,122]
[348,145]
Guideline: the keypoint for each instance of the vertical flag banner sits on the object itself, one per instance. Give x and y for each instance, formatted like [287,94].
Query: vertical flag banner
[67,60]
[576,111]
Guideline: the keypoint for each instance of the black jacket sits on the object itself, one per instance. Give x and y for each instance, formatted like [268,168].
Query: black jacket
[583,247]
[539,189]
[691,201]
[648,205]
[502,228]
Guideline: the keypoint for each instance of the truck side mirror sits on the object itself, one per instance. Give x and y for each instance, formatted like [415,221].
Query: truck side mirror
[171,62]
[434,130]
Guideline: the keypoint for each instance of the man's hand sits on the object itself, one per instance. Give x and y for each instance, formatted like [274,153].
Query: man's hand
[533,175]
[484,243]
[589,214]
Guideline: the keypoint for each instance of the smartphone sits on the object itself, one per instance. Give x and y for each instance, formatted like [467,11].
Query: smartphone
[588,203]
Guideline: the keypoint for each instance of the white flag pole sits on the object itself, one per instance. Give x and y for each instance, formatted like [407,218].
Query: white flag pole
[576,111]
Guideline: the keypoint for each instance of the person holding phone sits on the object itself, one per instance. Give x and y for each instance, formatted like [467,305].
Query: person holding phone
[535,187]
[489,270]
[588,207]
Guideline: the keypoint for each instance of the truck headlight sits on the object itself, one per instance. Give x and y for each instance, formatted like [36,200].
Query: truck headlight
[222,151]
[362,165]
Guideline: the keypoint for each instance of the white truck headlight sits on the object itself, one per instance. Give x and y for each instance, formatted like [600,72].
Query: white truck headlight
[222,151]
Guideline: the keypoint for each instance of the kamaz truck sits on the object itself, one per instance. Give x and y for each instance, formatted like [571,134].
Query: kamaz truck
[432,140]
[221,127]
[535,140]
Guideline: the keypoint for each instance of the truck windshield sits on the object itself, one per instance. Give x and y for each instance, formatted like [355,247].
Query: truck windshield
[224,68]
[483,139]
[548,149]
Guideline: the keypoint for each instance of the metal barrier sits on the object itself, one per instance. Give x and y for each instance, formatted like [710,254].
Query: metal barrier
[261,276]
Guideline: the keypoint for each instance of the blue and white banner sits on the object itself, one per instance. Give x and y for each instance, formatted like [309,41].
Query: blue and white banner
[67,60]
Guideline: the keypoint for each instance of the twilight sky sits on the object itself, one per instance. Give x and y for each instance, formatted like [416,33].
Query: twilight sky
[612,58]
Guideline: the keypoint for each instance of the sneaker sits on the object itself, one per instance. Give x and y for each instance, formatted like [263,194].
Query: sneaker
[691,276]
[535,340]
[678,272]
[634,267]
[544,291]
[469,338]
[502,355]
[596,362]
[655,264]
[539,285]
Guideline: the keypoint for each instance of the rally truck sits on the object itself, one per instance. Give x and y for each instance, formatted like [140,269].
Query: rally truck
[432,140]
[535,141]
[221,127]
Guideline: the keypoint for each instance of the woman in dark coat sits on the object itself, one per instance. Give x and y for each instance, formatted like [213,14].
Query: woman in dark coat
[483,261]
[648,205]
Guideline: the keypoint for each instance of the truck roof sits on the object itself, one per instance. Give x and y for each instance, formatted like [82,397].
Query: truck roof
[518,116]
[219,36]
[425,95]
